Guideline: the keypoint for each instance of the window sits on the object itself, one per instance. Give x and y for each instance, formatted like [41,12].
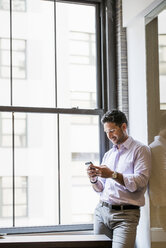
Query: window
[50,125]
[21,206]
[162,54]
[18,61]
[162,68]
[85,99]
[86,156]
[82,48]
[6,131]
[17,5]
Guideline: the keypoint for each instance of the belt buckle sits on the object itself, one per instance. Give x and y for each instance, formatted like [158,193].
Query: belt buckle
[121,207]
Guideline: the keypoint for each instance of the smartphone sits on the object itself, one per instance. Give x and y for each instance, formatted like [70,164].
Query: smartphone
[88,163]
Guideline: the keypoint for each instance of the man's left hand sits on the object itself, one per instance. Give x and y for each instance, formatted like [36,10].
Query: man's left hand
[103,171]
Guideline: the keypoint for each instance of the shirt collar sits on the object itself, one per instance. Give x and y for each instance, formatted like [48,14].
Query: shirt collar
[128,142]
[125,144]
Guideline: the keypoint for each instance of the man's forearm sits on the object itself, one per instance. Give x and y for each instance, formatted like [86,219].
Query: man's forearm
[119,179]
[98,187]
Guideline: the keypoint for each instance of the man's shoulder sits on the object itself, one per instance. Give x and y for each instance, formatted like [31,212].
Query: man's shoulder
[138,145]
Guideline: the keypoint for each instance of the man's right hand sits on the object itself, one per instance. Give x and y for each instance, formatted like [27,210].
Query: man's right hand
[91,171]
[93,177]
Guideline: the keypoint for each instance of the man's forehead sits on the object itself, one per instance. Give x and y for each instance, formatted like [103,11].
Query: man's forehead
[109,125]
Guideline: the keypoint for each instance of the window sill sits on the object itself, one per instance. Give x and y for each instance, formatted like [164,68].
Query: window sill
[58,241]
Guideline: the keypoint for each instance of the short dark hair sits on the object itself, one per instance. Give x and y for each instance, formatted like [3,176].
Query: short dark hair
[116,116]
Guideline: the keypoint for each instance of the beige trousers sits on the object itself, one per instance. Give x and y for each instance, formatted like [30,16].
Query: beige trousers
[120,226]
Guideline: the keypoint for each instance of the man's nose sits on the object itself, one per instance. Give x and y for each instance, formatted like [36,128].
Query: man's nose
[109,135]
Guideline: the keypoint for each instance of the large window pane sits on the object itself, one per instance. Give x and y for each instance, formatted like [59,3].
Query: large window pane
[34,55]
[76,55]
[79,142]
[36,193]
[4,55]
[6,181]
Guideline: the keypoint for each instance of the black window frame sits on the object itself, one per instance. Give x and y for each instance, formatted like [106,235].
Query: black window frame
[106,96]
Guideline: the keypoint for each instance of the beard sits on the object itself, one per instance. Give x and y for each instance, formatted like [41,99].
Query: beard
[117,140]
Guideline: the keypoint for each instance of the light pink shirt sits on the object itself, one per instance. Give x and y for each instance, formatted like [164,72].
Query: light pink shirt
[133,160]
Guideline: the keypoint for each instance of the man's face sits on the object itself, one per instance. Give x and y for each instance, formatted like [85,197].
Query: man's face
[117,135]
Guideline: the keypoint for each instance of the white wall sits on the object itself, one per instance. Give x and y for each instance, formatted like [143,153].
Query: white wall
[137,80]
[137,8]
[134,12]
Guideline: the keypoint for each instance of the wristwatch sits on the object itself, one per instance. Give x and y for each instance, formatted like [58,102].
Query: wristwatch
[114,175]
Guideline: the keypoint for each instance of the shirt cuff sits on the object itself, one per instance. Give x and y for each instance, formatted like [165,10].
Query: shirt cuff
[102,181]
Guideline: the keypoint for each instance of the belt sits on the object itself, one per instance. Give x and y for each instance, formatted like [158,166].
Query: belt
[118,207]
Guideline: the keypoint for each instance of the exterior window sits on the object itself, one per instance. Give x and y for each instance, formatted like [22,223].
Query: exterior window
[83,54]
[17,5]
[20,134]
[83,98]
[18,61]
[82,48]
[21,192]
[85,156]
[162,54]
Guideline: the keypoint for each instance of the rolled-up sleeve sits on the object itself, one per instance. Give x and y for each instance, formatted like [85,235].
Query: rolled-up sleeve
[141,166]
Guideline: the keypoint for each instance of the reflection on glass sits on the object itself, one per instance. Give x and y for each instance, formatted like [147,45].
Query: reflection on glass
[162,58]
[33,57]
[6,182]
[157,187]
[36,191]
[79,143]
[76,55]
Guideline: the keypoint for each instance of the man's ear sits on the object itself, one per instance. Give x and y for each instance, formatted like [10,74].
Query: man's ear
[124,126]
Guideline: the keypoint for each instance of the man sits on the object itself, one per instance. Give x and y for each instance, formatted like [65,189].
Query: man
[157,184]
[121,181]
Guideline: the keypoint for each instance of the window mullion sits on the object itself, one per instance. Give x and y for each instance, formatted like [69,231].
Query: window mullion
[11,56]
[55,46]
[59,176]
[13,169]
